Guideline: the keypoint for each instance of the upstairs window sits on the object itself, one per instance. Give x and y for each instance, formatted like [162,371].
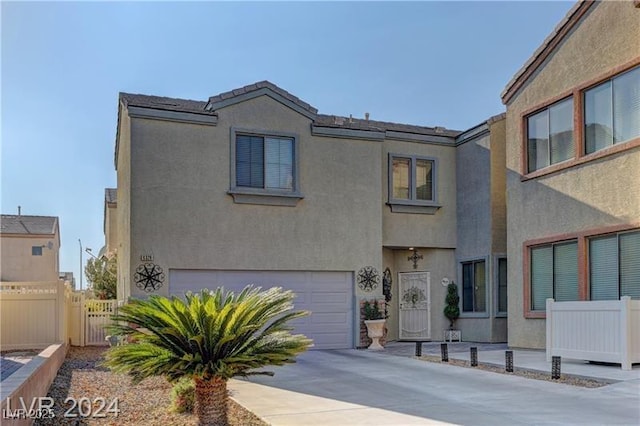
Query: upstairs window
[612,111]
[36,251]
[412,179]
[550,135]
[265,162]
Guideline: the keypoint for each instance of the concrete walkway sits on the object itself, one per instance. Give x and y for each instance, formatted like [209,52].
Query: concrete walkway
[357,387]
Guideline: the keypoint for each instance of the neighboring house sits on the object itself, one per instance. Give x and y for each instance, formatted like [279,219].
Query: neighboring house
[573,167]
[68,278]
[110,225]
[255,186]
[30,248]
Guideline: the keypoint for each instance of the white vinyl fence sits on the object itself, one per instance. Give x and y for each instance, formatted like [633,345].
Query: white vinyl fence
[605,331]
[32,314]
[37,314]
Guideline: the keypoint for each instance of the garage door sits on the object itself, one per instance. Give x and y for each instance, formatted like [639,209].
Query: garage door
[328,295]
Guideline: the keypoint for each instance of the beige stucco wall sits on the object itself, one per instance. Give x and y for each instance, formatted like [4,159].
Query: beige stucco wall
[182,215]
[123,212]
[498,189]
[18,264]
[593,195]
[111,228]
[422,230]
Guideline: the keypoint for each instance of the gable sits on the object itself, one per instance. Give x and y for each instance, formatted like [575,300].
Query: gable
[263,88]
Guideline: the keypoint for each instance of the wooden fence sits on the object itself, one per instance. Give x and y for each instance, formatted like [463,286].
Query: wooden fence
[605,331]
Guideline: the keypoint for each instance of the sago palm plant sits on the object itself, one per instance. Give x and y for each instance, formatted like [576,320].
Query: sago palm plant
[210,337]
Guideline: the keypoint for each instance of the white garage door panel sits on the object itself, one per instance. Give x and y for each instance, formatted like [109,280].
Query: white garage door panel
[328,295]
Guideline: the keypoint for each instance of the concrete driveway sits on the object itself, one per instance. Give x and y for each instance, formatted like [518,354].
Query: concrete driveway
[353,387]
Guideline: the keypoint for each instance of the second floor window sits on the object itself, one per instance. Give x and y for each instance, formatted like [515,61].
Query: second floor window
[265,162]
[612,111]
[412,179]
[550,135]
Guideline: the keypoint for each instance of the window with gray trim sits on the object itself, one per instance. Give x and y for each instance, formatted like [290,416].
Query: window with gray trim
[550,135]
[36,251]
[612,111]
[474,286]
[265,162]
[614,266]
[554,274]
[412,179]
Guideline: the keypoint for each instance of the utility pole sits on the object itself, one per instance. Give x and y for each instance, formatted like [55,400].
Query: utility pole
[80,242]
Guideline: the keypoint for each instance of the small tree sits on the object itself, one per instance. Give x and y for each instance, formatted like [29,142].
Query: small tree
[101,273]
[452,310]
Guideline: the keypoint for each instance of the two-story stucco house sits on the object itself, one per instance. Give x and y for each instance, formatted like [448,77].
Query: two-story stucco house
[573,167]
[30,248]
[255,186]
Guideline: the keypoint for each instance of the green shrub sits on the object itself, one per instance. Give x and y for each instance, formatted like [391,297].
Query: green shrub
[183,396]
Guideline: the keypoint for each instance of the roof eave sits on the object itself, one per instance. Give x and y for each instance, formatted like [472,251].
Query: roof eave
[571,19]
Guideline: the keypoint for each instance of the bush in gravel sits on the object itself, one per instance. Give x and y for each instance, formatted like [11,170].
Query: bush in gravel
[183,396]
[208,337]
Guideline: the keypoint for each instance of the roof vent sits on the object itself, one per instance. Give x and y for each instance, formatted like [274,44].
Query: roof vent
[350,118]
[19,211]
[366,116]
[439,129]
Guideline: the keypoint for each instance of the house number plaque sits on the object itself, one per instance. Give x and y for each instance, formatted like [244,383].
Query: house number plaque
[146,258]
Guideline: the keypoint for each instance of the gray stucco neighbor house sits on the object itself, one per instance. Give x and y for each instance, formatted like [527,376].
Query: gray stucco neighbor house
[255,186]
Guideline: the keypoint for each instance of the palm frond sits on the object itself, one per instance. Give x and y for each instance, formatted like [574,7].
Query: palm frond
[208,334]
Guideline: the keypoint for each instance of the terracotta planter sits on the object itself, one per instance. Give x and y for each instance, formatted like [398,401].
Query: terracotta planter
[375,330]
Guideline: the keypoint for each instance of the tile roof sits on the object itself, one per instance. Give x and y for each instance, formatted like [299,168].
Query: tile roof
[322,120]
[160,102]
[257,86]
[380,126]
[39,225]
[110,195]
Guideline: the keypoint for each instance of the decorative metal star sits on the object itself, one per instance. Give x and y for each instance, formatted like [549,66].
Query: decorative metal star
[149,277]
[368,278]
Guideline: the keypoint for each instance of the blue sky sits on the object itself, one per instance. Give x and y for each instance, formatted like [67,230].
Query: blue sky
[63,64]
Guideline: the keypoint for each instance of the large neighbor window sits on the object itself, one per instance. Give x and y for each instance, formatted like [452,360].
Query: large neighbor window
[614,266]
[554,273]
[550,135]
[612,111]
[412,179]
[265,162]
[474,286]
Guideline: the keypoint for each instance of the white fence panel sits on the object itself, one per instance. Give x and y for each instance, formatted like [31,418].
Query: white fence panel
[98,315]
[32,314]
[606,331]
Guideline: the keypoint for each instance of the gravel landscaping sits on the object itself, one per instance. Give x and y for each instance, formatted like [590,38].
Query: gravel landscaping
[564,378]
[147,403]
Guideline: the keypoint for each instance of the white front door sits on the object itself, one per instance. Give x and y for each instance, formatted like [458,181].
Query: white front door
[415,305]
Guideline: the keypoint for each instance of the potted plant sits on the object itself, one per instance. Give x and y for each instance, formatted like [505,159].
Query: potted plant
[452,312]
[374,320]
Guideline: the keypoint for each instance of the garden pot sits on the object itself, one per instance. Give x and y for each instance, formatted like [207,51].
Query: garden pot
[375,330]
